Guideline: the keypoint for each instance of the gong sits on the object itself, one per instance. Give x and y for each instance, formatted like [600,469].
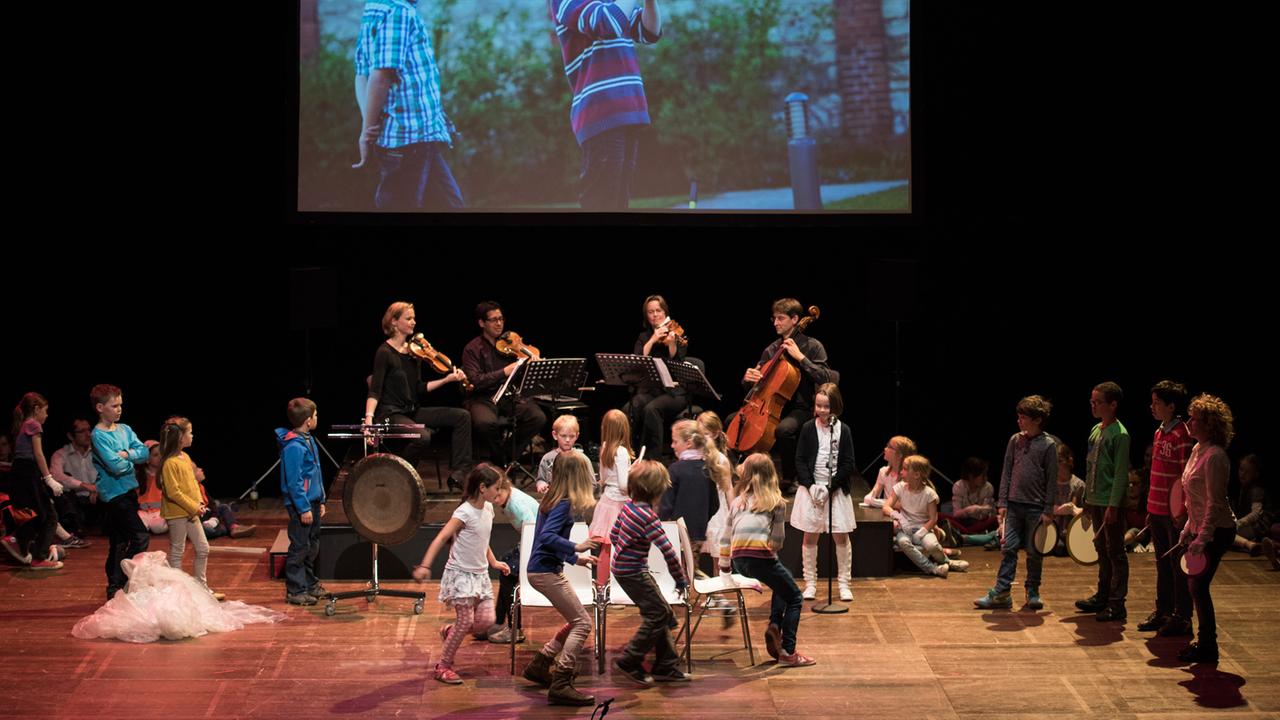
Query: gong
[383,499]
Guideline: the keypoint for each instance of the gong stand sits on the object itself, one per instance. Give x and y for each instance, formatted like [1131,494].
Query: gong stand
[385,431]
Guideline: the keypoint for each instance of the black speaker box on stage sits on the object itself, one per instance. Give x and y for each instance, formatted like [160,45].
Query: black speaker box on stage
[345,556]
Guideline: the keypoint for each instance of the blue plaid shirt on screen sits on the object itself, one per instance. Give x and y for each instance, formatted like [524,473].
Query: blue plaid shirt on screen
[393,35]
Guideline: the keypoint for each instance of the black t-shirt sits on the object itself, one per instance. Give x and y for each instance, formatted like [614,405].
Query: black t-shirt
[396,383]
[659,350]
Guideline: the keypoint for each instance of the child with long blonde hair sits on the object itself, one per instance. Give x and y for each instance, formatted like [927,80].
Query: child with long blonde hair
[698,481]
[913,505]
[570,493]
[750,545]
[709,424]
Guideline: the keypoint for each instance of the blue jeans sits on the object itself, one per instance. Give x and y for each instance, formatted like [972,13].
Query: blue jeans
[304,547]
[608,163]
[784,608]
[226,518]
[415,177]
[926,553]
[1020,522]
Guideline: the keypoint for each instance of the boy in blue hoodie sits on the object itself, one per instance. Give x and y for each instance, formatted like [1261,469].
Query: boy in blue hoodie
[303,490]
[116,449]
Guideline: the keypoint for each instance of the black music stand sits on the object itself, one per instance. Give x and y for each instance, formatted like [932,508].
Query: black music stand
[564,393]
[633,370]
[690,377]
[547,379]
[381,432]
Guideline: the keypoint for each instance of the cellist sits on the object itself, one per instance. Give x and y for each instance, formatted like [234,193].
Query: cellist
[810,357]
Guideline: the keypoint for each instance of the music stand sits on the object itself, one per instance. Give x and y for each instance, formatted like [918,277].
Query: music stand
[384,431]
[633,370]
[547,379]
[564,392]
[556,380]
[690,377]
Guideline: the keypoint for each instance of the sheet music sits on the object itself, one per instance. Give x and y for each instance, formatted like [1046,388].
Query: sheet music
[502,390]
[664,373]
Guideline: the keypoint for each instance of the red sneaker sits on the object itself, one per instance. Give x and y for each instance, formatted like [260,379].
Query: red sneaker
[447,675]
[795,659]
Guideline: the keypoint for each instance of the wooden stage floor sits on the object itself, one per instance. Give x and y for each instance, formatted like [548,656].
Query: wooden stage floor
[910,647]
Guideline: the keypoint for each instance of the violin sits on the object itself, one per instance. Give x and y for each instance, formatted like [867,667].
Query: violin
[752,428]
[419,346]
[512,344]
[674,328]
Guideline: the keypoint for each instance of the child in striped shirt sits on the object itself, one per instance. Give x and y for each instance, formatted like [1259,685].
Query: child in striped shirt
[636,528]
[609,108]
[751,540]
[1166,511]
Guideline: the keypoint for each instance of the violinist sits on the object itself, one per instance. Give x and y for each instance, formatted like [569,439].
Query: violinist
[652,407]
[488,369]
[394,390]
[810,357]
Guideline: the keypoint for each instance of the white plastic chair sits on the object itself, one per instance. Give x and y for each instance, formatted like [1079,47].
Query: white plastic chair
[708,588]
[579,577]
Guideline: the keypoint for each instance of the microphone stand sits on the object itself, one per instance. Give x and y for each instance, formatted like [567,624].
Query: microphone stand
[830,607]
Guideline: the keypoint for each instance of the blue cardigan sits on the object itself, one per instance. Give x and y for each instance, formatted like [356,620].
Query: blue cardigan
[551,545]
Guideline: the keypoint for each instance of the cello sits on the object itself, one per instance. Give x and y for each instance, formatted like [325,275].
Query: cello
[752,427]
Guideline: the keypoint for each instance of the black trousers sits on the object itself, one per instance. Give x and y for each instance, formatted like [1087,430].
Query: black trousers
[126,537]
[487,430]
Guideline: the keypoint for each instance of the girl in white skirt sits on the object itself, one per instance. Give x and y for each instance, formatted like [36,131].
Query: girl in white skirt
[465,584]
[824,465]
[615,462]
[709,425]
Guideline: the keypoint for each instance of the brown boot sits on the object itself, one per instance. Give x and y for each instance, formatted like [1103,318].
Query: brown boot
[562,691]
[539,669]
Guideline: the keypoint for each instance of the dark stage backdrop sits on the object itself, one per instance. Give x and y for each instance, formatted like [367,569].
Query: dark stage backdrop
[957,329]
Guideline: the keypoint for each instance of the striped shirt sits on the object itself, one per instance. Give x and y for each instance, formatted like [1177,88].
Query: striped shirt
[752,534]
[597,41]
[393,35]
[636,529]
[1169,453]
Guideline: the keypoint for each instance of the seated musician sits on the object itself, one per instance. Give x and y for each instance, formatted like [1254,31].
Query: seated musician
[810,357]
[654,407]
[394,390]
[488,369]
